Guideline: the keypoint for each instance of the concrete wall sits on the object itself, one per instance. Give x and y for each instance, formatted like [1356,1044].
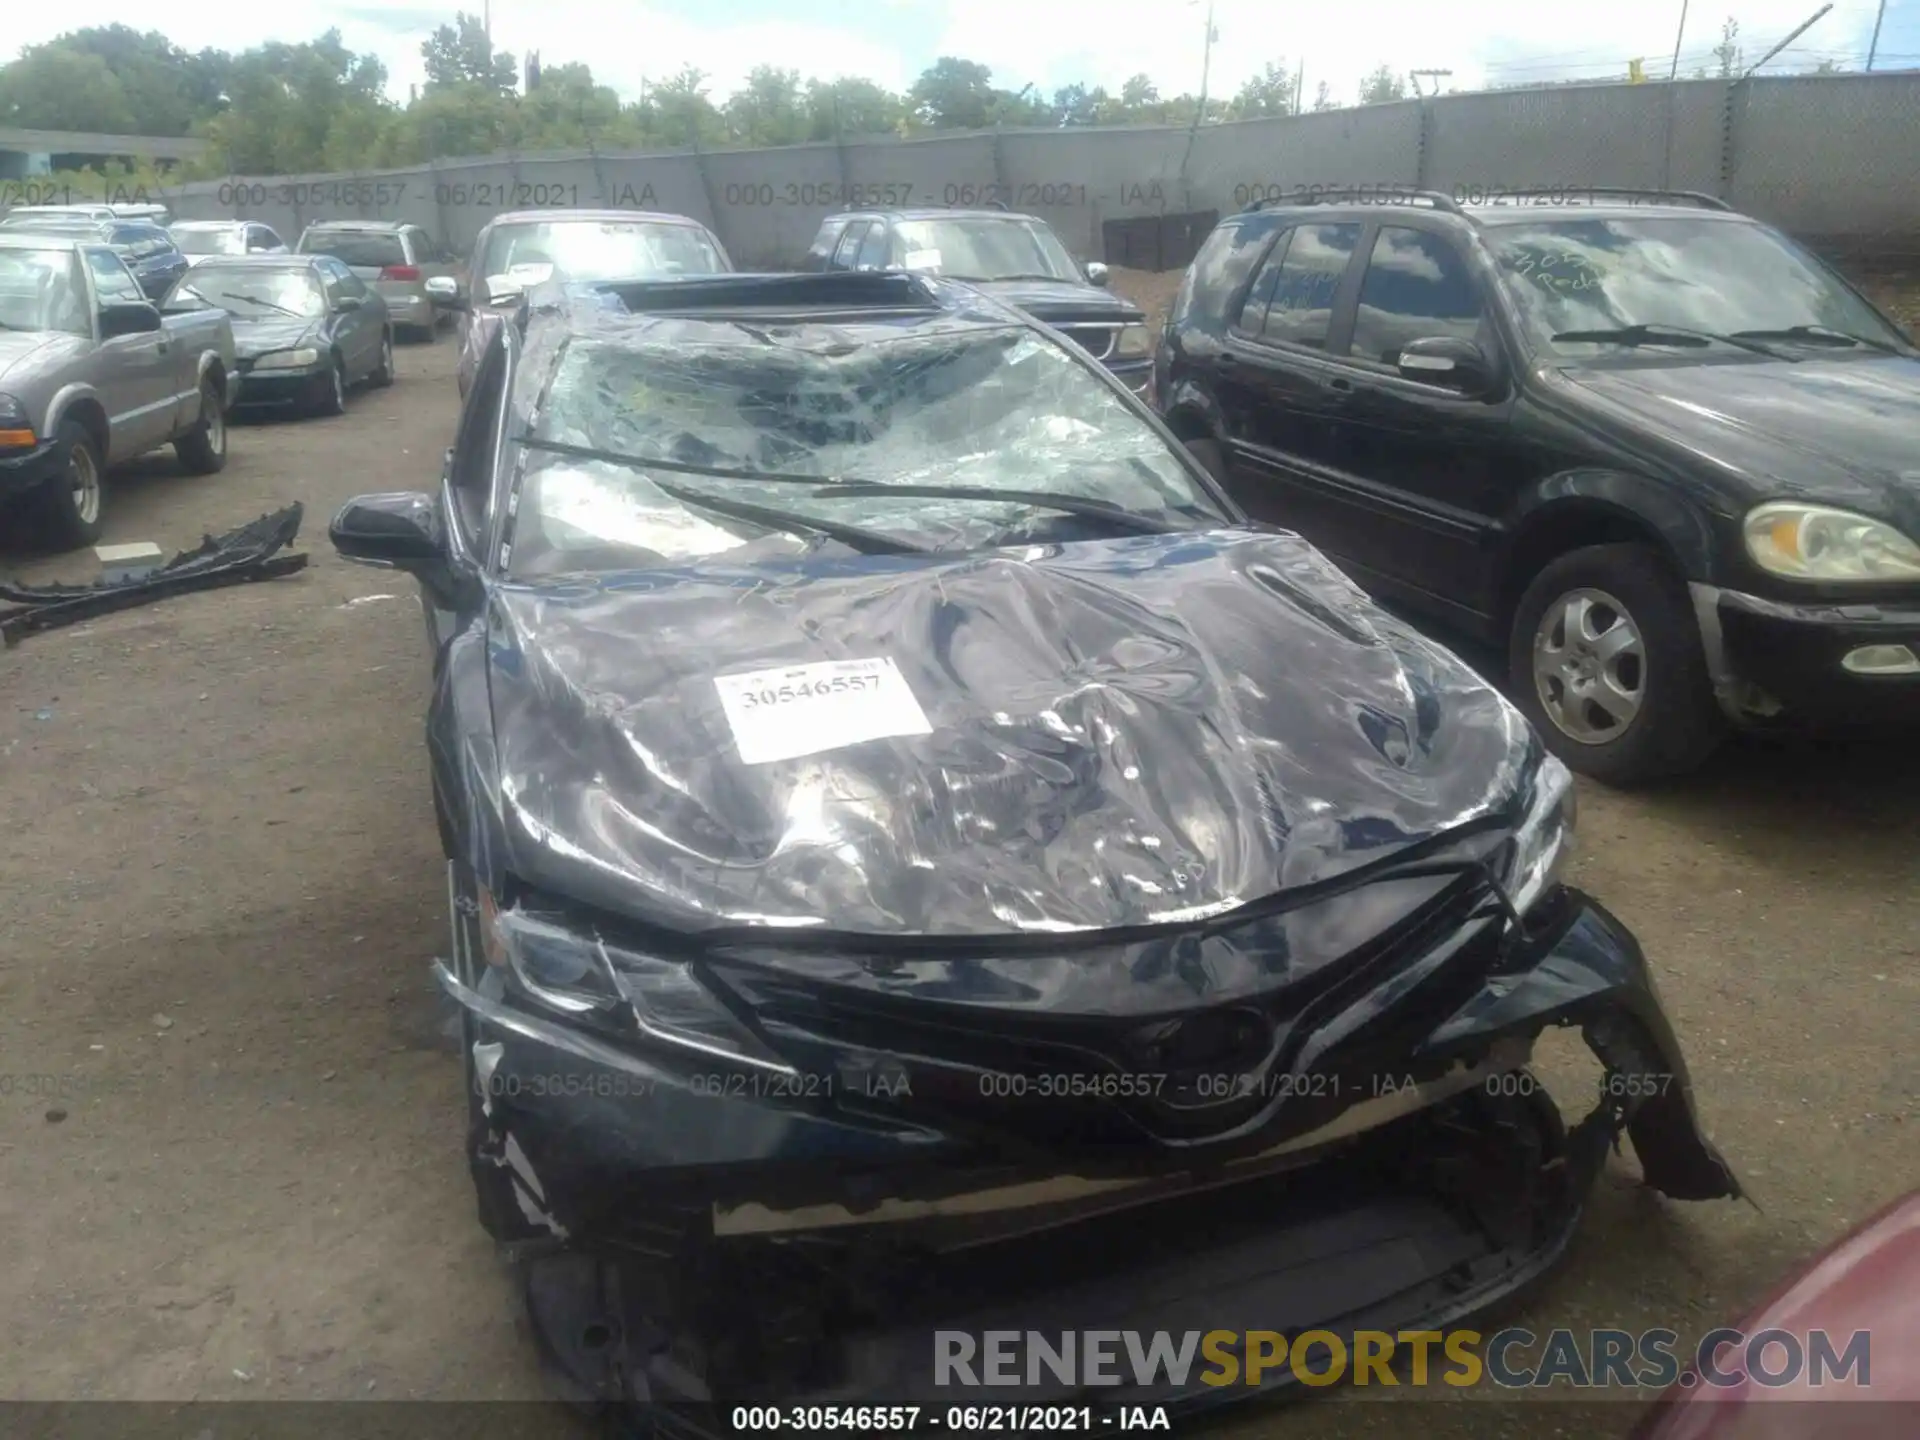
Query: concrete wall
[1832,157]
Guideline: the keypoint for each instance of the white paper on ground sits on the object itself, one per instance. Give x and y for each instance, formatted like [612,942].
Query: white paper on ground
[796,710]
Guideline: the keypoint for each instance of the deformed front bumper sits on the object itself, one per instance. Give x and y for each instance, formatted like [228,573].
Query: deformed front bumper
[1825,664]
[1348,1216]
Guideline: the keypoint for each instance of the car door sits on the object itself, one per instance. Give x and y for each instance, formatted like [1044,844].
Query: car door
[874,247]
[1277,386]
[849,245]
[359,321]
[1431,467]
[137,373]
[431,259]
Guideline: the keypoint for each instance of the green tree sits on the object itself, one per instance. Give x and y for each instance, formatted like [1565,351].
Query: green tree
[852,107]
[286,103]
[1382,85]
[568,111]
[769,110]
[1323,98]
[462,54]
[1727,52]
[953,94]
[1268,93]
[678,113]
[53,88]
[1139,98]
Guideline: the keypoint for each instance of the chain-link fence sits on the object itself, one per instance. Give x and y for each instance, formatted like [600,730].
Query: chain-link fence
[1831,158]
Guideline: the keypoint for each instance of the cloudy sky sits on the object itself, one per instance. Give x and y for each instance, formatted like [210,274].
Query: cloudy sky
[1047,42]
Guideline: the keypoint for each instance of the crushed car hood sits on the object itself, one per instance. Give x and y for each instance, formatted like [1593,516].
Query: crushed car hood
[252,338]
[1119,733]
[1836,430]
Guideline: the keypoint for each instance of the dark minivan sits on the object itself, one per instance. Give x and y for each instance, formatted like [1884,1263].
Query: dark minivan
[1657,450]
[1013,257]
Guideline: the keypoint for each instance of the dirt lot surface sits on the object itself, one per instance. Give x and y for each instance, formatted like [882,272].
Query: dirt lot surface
[222,887]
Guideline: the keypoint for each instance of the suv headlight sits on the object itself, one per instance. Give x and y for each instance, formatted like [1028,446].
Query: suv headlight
[1134,344]
[566,965]
[288,360]
[1543,843]
[1814,542]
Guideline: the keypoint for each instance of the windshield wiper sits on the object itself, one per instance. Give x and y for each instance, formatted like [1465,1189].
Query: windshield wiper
[869,542]
[1040,499]
[256,300]
[1664,334]
[1819,334]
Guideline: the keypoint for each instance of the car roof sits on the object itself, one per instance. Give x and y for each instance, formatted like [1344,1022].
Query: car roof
[212,224]
[384,226]
[1500,207]
[593,217]
[934,212]
[21,237]
[261,262]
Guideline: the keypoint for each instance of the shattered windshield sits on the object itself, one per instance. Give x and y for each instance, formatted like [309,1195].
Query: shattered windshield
[717,406]
[1712,276]
[251,294]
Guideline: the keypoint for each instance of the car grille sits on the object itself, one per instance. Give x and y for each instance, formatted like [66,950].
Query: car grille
[949,1051]
[1098,341]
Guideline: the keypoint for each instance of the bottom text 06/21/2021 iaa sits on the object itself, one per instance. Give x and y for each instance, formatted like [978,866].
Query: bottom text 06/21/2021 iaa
[988,1419]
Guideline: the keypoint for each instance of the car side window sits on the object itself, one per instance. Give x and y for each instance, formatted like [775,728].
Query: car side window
[350,283]
[873,250]
[1300,311]
[473,444]
[1253,314]
[1417,286]
[843,253]
[819,252]
[112,281]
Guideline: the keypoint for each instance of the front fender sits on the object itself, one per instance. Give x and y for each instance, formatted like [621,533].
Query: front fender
[64,399]
[1685,529]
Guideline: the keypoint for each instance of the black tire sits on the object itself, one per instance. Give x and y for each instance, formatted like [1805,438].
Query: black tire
[424,334]
[383,372]
[1211,457]
[73,507]
[334,400]
[1635,710]
[203,449]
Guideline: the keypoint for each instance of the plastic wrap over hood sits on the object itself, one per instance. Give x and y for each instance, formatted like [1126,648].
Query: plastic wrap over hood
[1117,733]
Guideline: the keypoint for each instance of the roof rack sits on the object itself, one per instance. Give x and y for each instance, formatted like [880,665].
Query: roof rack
[1384,193]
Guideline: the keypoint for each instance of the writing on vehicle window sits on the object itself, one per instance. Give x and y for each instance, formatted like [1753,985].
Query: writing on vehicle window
[1301,311]
[1417,287]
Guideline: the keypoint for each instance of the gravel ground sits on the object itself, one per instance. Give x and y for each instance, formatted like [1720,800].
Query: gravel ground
[222,885]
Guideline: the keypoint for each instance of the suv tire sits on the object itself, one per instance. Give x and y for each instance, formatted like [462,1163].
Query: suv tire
[1605,659]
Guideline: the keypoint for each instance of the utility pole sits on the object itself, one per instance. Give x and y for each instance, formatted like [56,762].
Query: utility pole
[1674,70]
[1805,25]
[1299,83]
[1873,48]
[1206,66]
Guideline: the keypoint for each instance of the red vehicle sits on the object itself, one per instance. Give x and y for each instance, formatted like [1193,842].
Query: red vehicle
[1869,1280]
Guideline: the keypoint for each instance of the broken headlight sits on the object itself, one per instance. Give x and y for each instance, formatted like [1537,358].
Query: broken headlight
[1543,842]
[566,963]
[1135,343]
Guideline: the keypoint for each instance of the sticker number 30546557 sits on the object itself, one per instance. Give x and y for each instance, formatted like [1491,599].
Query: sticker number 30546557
[796,710]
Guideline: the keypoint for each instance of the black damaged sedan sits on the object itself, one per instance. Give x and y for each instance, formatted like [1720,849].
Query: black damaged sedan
[921,859]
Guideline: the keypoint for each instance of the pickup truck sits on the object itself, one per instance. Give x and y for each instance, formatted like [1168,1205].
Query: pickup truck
[91,375]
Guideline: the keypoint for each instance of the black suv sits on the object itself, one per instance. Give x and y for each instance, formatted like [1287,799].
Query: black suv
[1015,258]
[1666,457]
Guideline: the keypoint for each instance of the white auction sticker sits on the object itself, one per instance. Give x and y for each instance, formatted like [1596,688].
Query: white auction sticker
[803,709]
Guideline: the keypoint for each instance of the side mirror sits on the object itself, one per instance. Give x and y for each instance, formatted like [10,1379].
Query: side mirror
[347,302]
[1444,360]
[136,318]
[444,291]
[1097,274]
[395,530]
